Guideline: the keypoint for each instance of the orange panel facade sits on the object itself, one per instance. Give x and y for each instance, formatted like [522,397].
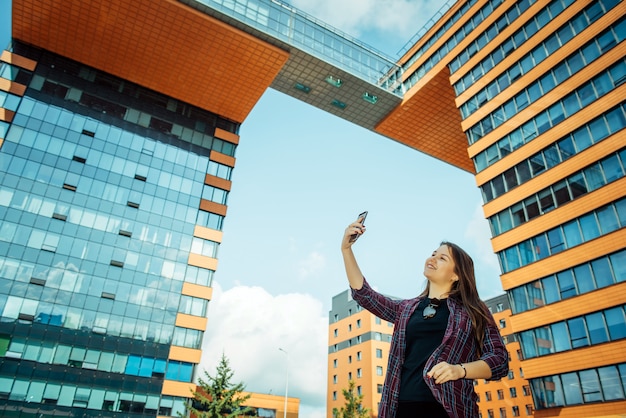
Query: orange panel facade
[429,121]
[167,47]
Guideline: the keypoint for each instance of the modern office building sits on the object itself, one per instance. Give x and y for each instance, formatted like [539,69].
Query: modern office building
[540,88]
[118,130]
[110,226]
[113,193]
[510,396]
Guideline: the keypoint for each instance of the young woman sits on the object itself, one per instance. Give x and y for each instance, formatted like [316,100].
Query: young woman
[442,339]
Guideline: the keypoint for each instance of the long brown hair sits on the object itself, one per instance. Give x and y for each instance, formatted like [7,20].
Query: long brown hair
[465,290]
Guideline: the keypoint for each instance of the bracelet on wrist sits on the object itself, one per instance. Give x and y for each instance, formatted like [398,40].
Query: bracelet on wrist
[464,370]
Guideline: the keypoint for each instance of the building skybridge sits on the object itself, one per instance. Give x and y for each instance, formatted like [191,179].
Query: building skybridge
[294,27]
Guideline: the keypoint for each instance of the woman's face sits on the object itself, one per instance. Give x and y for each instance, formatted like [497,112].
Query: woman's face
[439,267]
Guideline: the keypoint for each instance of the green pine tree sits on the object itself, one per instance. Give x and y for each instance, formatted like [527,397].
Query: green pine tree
[353,407]
[217,396]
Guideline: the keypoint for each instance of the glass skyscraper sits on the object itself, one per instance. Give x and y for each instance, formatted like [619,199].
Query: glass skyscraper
[101,187]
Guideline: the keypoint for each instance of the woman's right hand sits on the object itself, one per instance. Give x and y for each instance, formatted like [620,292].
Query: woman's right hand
[352,233]
[353,272]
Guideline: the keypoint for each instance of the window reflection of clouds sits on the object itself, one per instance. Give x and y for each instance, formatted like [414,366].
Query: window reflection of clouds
[70,295]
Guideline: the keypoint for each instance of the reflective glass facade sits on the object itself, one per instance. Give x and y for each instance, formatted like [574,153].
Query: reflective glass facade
[585,386]
[440,32]
[101,184]
[530,28]
[576,280]
[602,127]
[436,57]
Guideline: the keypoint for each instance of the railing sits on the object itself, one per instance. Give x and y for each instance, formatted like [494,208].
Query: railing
[294,27]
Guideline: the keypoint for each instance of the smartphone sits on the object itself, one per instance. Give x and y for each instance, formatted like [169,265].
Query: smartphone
[360,218]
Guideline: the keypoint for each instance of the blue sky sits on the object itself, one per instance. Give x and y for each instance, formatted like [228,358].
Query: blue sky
[301,177]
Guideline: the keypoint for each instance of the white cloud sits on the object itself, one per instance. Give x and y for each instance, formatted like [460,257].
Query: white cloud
[249,326]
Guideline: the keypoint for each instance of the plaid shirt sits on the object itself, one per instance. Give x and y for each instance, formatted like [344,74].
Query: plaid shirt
[458,346]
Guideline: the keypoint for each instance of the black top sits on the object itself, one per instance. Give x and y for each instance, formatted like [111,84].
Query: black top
[423,336]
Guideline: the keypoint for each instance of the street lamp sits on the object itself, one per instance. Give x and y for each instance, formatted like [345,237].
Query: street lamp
[286,381]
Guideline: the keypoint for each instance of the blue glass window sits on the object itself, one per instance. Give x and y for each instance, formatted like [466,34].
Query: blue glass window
[602,272]
[512,258]
[618,262]
[612,387]
[519,299]
[616,323]
[594,177]
[620,207]
[550,289]
[608,219]
[590,386]
[612,168]
[577,185]
[584,278]
[541,246]
[147,365]
[589,226]
[578,332]
[527,252]
[561,337]
[597,329]
[566,284]
[529,345]
[132,365]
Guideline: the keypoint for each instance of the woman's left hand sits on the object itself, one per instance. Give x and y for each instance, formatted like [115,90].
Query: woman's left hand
[445,372]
